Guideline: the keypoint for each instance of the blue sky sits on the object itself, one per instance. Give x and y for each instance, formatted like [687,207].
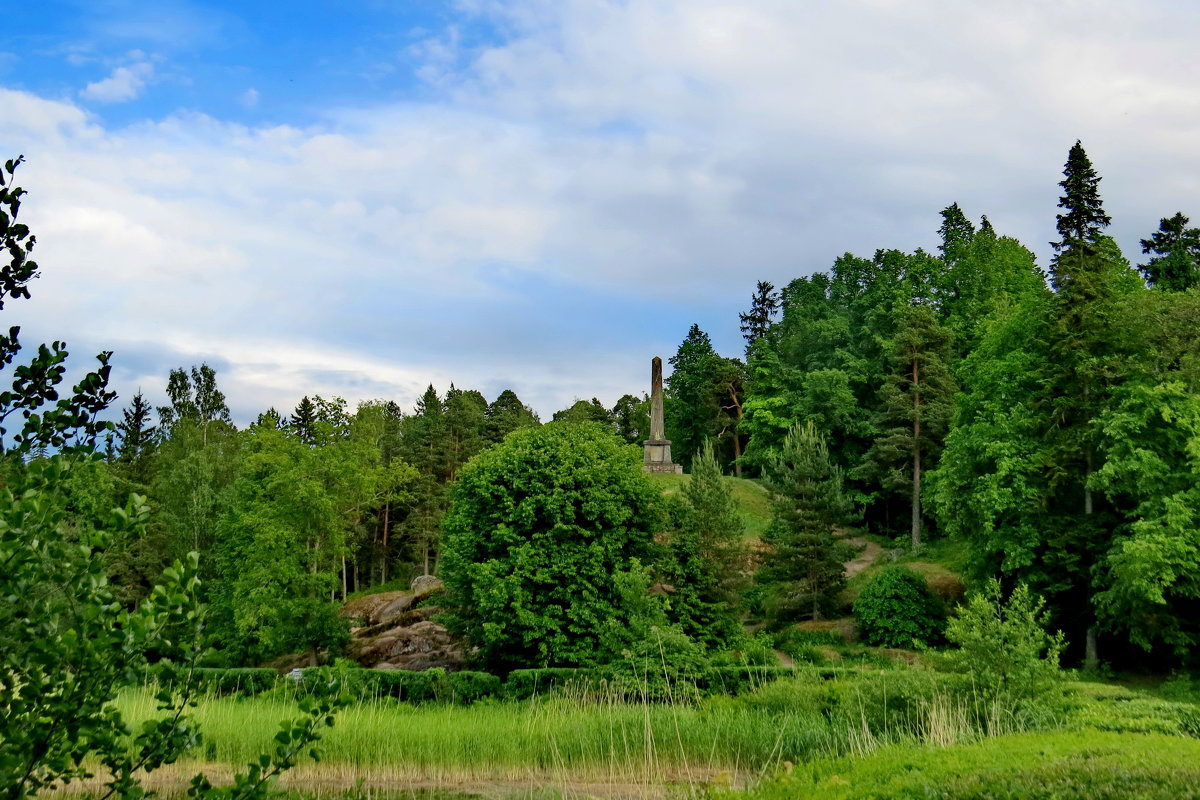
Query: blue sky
[361,198]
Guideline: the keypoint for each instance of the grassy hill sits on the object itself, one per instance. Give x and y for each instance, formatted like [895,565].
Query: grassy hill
[753,502]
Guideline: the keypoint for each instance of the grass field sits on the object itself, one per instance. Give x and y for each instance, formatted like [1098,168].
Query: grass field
[898,732]
[880,733]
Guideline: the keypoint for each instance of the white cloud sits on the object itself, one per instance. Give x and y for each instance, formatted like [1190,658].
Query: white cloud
[123,85]
[249,98]
[571,198]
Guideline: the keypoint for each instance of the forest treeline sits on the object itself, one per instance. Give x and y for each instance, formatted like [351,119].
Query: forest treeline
[1048,418]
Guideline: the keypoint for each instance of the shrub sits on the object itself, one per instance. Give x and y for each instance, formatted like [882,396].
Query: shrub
[244,682]
[523,684]
[538,526]
[1004,646]
[896,609]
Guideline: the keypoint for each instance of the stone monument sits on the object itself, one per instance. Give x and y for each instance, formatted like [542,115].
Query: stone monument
[657,447]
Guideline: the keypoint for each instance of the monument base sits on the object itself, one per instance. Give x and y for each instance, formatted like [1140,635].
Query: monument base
[658,457]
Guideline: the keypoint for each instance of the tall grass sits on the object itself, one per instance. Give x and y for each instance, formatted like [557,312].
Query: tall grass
[590,736]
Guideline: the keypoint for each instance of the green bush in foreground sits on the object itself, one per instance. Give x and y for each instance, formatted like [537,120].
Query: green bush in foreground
[1003,645]
[538,527]
[896,609]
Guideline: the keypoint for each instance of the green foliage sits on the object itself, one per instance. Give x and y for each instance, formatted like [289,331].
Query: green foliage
[523,684]
[507,413]
[243,682]
[66,645]
[47,421]
[806,562]
[896,609]
[584,411]
[1004,646]
[916,403]
[708,557]
[291,519]
[763,307]
[1031,766]
[647,656]
[1175,266]
[539,528]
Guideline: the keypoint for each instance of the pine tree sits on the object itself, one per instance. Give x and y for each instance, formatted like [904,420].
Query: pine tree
[1175,266]
[1084,220]
[709,558]
[764,305]
[917,403]
[466,427]
[809,503]
[271,418]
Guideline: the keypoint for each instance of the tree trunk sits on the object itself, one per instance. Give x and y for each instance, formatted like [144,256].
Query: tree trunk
[1091,657]
[384,570]
[916,483]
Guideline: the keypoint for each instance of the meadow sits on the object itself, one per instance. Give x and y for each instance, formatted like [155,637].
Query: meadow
[895,732]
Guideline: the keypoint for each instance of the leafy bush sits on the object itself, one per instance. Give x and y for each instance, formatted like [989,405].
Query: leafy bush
[646,656]
[469,687]
[537,527]
[896,609]
[1004,646]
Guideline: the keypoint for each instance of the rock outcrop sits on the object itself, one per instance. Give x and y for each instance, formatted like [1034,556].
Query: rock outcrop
[397,633]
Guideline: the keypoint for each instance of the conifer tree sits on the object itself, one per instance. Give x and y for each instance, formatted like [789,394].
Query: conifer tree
[466,427]
[1175,266]
[709,558]
[764,305]
[137,439]
[507,413]
[303,421]
[917,403]
[692,406]
[809,503]
[956,231]
[271,418]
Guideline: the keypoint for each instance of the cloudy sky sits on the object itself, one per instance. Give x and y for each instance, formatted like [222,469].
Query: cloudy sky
[359,198]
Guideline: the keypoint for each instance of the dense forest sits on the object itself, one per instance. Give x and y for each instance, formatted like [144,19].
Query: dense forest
[1049,419]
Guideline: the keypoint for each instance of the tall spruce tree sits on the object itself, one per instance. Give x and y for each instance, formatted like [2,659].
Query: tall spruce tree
[764,305]
[1089,276]
[303,422]
[956,231]
[916,405]
[1175,266]
[136,436]
[806,562]
[692,406]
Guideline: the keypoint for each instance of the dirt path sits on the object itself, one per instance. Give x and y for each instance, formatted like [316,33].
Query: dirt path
[868,555]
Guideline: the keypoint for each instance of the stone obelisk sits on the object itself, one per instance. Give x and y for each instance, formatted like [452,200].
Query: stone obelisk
[657,447]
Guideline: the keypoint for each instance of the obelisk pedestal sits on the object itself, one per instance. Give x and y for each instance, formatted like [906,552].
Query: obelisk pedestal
[658,447]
